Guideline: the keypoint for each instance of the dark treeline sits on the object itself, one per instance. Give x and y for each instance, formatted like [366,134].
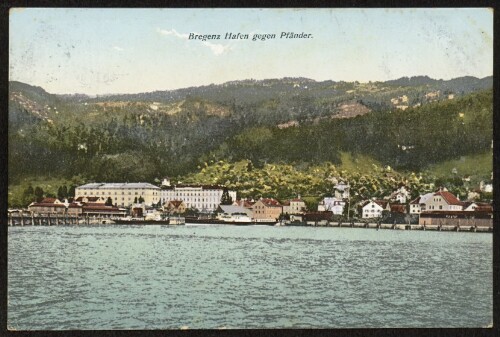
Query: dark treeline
[129,141]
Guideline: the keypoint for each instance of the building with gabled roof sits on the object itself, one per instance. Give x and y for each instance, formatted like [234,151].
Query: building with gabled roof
[175,207]
[294,206]
[374,208]
[418,204]
[267,209]
[443,200]
[121,194]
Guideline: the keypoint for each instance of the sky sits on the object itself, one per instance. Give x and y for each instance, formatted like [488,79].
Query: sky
[103,51]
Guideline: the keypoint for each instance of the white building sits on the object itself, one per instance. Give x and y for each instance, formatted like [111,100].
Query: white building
[205,198]
[374,208]
[443,201]
[401,195]
[294,206]
[122,194]
[332,204]
[418,205]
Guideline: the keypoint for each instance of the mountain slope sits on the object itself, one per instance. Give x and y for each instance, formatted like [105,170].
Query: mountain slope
[407,124]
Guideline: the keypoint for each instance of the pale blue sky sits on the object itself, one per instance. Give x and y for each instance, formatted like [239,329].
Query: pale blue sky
[98,51]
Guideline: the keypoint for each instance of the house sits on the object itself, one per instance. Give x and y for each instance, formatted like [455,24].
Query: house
[175,207]
[294,206]
[374,208]
[267,209]
[443,200]
[333,204]
[418,205]
[47,206]
[102,211]
[247,203]
[401,195]
[477,206]
[341,190]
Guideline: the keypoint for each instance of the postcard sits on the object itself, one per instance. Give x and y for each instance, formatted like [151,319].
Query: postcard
[250,168]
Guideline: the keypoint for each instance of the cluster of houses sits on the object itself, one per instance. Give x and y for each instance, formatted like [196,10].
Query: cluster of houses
[147,200]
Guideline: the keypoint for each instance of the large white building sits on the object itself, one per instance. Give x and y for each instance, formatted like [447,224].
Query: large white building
[205,198]
[122,194]
[332,204]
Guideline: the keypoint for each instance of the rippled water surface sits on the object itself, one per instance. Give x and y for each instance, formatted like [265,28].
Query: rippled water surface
[154,277]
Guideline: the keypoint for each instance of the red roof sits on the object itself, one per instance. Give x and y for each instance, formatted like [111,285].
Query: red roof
[48,200]
[449,198]
[270,202]
[381,203]
[286,203]
[398,208]
[488,209]
[297,200]
[46,204]
[100,208]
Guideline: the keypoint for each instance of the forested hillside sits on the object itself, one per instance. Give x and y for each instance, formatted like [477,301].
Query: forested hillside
[408,124]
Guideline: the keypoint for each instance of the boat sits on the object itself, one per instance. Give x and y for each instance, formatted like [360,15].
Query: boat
[145,221]
[238,220]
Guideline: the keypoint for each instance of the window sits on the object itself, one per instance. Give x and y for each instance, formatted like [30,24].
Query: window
[440,207]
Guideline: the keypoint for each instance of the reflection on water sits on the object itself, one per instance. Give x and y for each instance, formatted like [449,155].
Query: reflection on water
[154,277]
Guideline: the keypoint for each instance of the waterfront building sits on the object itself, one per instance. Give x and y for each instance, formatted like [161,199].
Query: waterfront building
[175,207]
[418,205]
[99,210]
[332,204]
[443,200]
[205,198]
[267,209]
[477,206]
[456,218]
[294,206]
[374,208]
[48,206]
[121,194]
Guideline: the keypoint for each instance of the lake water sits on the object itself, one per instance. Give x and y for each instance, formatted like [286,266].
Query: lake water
[210,277]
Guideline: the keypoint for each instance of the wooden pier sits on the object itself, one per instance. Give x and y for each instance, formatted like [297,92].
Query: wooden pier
[27,219]
[466,227]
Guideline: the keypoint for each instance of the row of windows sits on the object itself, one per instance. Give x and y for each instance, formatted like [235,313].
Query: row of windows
[106,193]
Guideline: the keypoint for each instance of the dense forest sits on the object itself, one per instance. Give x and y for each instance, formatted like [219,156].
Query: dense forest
[408,124]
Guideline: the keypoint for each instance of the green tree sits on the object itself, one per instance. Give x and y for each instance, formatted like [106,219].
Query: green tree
[38,194]
[140,200]
[109,202]
[135,200]
[28,196]
[226,198]
[71,192]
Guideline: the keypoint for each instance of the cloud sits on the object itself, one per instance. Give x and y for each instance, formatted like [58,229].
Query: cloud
[216,48]
[118,48]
